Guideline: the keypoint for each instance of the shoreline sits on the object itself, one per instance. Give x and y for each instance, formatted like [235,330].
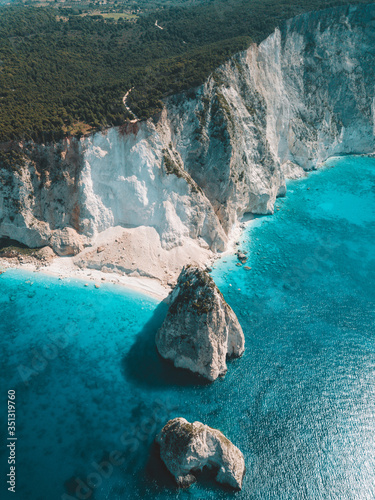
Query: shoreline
[64,268]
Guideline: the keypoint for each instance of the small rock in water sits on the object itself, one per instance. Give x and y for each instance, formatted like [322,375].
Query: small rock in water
[241,257]
[189,447]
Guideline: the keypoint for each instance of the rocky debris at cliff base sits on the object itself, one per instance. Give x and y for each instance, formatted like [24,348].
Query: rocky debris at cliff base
[200,330]
[67,242]
[186,448]
[138,252]
[292,170]
[37,256]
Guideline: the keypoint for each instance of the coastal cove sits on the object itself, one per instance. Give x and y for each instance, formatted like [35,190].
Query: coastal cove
[299,403]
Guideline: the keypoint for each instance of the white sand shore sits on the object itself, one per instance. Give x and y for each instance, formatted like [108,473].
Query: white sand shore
[120,252]
[63,268]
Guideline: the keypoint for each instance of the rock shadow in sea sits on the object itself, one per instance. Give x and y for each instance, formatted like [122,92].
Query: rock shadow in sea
[143,364]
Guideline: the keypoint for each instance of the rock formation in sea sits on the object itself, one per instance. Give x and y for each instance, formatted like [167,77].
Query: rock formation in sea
[187,448]
[200,330]
[225,148]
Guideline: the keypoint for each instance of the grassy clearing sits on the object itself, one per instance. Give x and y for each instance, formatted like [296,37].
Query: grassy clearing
[78,128]
[127,16]
[118,15]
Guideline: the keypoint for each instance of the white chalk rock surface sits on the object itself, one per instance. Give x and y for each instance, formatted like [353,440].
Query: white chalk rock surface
[200,330]
[186,448]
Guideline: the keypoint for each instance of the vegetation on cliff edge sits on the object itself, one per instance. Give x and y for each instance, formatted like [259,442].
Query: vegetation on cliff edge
[65,73]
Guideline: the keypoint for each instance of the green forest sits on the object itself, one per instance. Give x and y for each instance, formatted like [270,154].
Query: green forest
[63,73]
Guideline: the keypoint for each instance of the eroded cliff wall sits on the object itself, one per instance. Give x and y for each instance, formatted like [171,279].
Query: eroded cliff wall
[304,94]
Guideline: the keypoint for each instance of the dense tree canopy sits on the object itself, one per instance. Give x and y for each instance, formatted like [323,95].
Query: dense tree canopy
[62,73]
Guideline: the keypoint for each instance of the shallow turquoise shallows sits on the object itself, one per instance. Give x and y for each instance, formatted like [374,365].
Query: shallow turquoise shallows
[91,391]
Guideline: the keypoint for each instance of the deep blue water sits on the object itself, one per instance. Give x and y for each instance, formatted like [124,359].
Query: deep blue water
[299,403]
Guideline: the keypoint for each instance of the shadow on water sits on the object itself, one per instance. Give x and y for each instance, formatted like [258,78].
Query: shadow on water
[143,364]
[248,216]
[156,471]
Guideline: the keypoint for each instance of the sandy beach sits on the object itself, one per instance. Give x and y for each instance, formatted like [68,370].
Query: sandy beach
[64,268]
[108,266]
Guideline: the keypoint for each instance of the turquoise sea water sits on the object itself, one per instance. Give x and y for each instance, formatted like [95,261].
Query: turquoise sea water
[299,403]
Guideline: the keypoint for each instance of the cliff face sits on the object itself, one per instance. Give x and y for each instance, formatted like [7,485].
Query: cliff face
[306,93]
[39,195]
[120,178]
[317,77]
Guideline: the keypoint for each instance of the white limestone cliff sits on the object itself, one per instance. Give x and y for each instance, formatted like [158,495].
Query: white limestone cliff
[187,448]
[307,92]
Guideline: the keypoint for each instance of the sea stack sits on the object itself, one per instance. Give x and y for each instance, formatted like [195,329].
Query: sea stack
[186,448]
[200,330]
